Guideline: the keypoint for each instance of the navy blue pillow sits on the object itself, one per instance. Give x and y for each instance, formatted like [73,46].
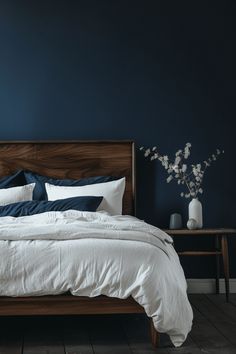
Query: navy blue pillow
[39,180]
[85,203]
[17,179]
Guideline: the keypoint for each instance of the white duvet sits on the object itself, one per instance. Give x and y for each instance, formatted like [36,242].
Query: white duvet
[90,254]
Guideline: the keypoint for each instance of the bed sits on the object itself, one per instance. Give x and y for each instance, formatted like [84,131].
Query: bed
[75,160]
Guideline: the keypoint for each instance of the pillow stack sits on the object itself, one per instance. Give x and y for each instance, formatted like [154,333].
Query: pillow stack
[15,189]
[27,193]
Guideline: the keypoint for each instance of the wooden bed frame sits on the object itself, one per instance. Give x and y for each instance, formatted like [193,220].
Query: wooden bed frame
[73,159]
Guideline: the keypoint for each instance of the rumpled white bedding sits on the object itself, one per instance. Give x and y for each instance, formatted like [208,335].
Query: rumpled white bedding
[90,254]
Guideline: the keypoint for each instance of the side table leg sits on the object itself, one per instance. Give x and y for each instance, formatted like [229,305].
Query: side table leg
[225,256]
[217,247]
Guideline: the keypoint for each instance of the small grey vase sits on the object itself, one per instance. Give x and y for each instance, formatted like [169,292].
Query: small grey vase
[175,221]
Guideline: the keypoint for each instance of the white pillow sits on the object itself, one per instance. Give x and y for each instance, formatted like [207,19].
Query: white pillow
[112,193]
[16,194]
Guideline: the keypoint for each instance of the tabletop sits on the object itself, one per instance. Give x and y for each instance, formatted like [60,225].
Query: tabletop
[219,231]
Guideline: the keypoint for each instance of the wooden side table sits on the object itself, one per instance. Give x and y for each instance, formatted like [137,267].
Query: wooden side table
[221,249]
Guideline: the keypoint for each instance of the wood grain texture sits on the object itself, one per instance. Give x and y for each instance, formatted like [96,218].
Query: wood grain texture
[73,159]
[155,336]
[67,305]
[77,341]
[201,232]
[213,332]
[107,336]
[220,320]
[220,234]
[199,253]
[225,258]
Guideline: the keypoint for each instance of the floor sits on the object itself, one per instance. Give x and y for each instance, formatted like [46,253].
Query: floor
[214,331]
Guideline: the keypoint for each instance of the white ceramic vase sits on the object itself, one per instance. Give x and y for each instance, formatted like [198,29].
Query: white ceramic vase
[195,212]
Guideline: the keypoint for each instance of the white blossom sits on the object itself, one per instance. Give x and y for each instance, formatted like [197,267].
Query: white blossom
[178,153]
[169,179]
[186,154]
[191,177]
[187,150]
[175,168]
[195,172]
[177,160]
[198,166]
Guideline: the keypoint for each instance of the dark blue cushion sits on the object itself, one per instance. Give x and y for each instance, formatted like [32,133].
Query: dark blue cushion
[86,203]
[39,180]
[17,179]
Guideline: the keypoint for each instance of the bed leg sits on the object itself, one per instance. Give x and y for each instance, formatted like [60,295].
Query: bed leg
[155,336]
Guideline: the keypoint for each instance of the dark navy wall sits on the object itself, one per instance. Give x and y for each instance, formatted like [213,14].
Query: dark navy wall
[161,73]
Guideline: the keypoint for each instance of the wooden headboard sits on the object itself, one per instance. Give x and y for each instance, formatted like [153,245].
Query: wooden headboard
[73,159]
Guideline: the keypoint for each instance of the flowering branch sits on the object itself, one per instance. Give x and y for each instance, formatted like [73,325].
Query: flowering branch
[178,169]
